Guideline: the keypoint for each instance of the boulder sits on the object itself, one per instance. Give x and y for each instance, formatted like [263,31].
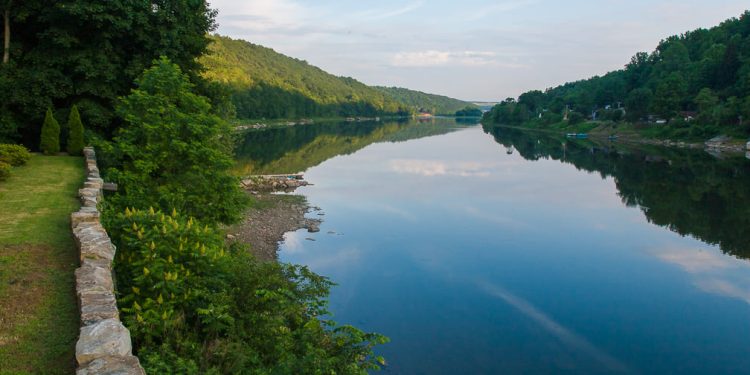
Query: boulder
[97,306]
[110,365]
[105,338]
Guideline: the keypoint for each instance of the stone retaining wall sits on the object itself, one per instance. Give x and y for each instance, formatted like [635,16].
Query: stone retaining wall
[104,345]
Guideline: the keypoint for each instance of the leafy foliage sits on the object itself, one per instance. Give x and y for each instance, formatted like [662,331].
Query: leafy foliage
[50,138]
[705,71]
[195,307]
[174,152]
[4,170]
[89,52]
[417,100]
[469,112]
[15,155]
[266,84]
[75,132]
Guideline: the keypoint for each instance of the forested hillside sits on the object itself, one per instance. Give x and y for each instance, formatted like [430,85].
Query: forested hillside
[417,100]
[267,84]
[694,85]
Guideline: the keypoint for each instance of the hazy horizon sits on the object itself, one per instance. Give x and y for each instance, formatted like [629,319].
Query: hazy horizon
[477,50]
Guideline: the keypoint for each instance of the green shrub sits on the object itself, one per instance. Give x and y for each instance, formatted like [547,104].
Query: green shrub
[575,118]
[75,132]
[4,170]
[194,306]
[14,155]
[173,152]
[50,139]
[162,262]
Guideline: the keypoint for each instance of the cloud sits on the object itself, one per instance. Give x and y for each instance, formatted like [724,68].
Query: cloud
[695,261]
[443,58]
[725,288]
[712,272]
[430,168]
[380,15]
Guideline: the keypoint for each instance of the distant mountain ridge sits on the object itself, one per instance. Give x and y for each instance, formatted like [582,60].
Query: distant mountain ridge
[417,100]
[266,84]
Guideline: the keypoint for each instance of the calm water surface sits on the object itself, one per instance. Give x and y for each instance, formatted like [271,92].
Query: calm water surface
[564,256]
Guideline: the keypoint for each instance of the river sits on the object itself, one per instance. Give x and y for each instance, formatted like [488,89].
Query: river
[487,251]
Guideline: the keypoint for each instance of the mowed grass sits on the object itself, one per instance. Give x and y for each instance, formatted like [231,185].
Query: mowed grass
[38,312]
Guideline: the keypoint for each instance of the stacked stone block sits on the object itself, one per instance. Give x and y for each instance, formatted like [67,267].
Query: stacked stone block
[104,345]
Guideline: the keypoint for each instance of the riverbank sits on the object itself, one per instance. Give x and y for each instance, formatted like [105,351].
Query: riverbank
[625,132]
[266,221]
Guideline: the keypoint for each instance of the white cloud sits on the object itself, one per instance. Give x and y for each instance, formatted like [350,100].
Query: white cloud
[443,58]
[381,14]
[430,168]
[712,272]
[695,261]
[725,288]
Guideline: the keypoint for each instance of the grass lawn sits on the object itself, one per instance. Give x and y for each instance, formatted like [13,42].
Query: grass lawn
[38,312]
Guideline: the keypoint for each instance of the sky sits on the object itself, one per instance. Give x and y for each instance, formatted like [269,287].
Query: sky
[477,50]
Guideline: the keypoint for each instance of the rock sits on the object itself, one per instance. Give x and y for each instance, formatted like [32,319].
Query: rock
[93,279]
[97,306]
[105,338]
[88,216]
[110,365]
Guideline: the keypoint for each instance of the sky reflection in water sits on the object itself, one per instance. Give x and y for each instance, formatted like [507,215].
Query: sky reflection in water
[475,261]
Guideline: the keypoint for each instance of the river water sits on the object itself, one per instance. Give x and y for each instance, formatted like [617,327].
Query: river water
[488,251]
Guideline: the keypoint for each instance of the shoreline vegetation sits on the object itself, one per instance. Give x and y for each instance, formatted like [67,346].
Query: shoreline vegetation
[694,87]
[627,133]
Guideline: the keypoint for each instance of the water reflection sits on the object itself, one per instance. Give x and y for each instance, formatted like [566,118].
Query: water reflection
[295,149]
[688,191]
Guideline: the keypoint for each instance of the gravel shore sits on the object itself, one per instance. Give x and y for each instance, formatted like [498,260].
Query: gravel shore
[268,219]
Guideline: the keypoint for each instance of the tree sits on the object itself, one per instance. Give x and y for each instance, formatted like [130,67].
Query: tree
[89,53]
[50,139]
[638,103]
[6,33]
[669,95]
[75,132]
[174,153]
[706,101]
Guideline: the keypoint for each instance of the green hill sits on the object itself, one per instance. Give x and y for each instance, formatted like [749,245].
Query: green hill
[693,86]
[416,100]
[267,84]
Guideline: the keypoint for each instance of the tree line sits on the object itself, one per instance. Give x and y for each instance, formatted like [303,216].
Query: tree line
[698,81]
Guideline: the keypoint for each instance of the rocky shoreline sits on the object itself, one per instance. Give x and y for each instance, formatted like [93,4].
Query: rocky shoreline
[271,216]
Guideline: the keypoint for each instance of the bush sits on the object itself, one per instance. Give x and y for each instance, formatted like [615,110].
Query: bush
[50,139]
[75,132]
[575,118]
[194,306]
[173,152]
[14,155]
[162,262]
[4,170]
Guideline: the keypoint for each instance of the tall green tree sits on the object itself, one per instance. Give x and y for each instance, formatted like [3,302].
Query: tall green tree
[174,151]
[75,132]
[89,53]
[669,95]
[50,138]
